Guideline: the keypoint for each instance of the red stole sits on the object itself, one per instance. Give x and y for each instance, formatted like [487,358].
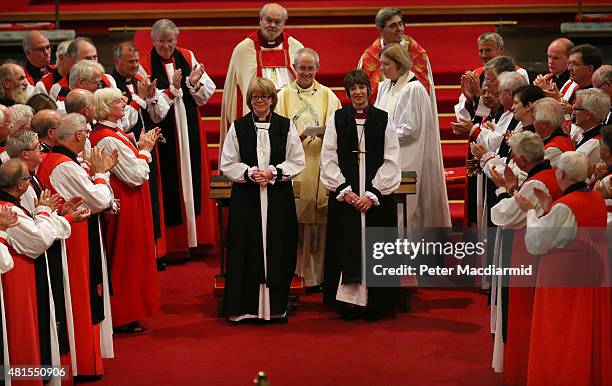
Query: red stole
[274,58]
[101,131]
[521,294]
[29,76]
[133,270]
[21,311]
[570,338]
[145,61]
[87,335]
[370,63]
[561,142]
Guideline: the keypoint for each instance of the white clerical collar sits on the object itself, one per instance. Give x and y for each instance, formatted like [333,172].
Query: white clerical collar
[108,123]
[382,42]
[262,125]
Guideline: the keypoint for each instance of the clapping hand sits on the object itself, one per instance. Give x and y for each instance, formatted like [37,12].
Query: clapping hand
[489,125]
[71,205]
[101,162]
[600,170]
[470,85]
[8,218]
[544,199]
[146,89]
[177,77]
[511,179]
[605,189]
[148,139]
[47,199]
[523,202]
[478,150]
[463,127]
[196,74]
[497,178]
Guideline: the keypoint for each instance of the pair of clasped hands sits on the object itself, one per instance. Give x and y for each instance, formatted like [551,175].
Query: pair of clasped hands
[262,177]
[361,204]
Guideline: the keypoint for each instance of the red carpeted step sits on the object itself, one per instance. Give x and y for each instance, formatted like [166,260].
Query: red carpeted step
[446,97]
[446,131]
[211,127]
[454,154]
[456,212]
[455,182]
[455,192]
[212,108]
[213,157]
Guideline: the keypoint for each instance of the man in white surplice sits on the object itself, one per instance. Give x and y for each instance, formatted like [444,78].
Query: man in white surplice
[265,53]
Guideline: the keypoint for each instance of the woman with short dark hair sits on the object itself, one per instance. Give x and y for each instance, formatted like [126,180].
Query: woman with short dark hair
[360,168]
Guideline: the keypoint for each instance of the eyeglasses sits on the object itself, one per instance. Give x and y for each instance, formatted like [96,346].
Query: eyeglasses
[41,49]
[572,63]
[264,98]
[26,178]
[87,131]
[306,69]
[165,42]
[269,20]
[37,148]
[578,109]
[395,26]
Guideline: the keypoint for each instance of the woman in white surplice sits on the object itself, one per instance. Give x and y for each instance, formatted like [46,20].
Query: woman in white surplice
[406,101]
[261,154]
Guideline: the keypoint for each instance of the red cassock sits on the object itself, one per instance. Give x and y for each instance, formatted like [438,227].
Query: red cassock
[520,297]
[86,334]
[21,312]
[130,241]
[571,327]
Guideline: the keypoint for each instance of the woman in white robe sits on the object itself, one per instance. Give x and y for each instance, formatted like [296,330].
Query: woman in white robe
[406,101]
[261,154]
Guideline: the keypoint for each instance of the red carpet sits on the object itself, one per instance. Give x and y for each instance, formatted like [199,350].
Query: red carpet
[443,341]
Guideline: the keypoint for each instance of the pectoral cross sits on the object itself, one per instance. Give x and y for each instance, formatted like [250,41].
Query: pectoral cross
[359,153]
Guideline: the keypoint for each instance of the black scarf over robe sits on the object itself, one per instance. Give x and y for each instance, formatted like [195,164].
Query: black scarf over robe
[168,152]
[343,246]
[245,263]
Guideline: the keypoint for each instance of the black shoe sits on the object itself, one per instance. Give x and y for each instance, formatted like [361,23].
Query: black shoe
[161,266]
[314,290]
[281,320]
[351,313]
[372,315]
[131,328]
